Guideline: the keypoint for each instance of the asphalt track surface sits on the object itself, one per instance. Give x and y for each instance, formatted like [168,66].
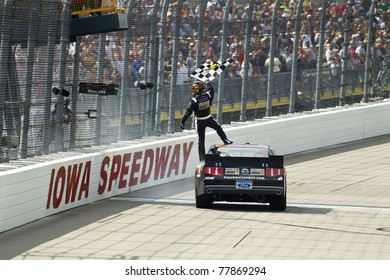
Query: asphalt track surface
[338,207]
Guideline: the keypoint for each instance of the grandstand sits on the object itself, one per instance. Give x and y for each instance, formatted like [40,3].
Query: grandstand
[336,52]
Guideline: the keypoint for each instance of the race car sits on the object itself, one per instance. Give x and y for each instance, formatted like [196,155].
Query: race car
[241,173]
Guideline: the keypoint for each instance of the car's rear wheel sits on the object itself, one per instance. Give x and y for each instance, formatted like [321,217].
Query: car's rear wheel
[278,202]
[204,201]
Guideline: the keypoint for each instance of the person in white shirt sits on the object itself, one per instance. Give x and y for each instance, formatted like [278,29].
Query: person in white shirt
[277,63]
[181,78]
[288,58]
[361,49]
[182,73]
[276,76]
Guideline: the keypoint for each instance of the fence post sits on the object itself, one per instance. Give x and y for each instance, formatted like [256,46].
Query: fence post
[294,69]
[160,72]
[221,81]
[31,41]
[270,80]
[64,40]
[5,47]
[124,89]
[320,55]
[345,58]
[248,31]
[368,75]
[51,44]
[75,78]
[199,49]
[172,93]
[150,68]
[101,53]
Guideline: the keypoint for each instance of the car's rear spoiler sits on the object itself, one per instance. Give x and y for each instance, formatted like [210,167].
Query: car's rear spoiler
[271,161]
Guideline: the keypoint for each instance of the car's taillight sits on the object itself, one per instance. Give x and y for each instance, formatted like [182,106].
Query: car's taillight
[213,170]
[274,172]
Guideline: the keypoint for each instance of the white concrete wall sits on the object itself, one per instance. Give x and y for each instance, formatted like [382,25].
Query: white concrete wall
[33,192]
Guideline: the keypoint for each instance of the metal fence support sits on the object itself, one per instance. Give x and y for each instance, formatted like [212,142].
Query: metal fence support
[199,47]
[294,69]
[99,79]
[345,58]
[124,89]
[368,79]
[31,42]
[5,48]
[51,44]
[64,40]
[221,80]
[150,68]
[320,55]
[271,55]
[173,88]
[74,93]
[245,80]
[160,71]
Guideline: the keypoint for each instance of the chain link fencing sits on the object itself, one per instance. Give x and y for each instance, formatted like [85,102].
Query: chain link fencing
[43,60]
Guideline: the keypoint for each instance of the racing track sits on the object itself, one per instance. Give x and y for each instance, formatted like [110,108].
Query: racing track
[338,208]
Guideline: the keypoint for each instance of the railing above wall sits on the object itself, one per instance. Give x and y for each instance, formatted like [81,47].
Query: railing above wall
[88,7]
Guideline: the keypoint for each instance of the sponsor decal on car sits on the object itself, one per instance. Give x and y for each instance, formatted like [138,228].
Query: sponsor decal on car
[244,177]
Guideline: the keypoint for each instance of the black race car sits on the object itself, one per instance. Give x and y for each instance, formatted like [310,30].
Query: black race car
[241,173]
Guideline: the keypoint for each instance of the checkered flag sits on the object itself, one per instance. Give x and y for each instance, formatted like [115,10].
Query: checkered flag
[208,71]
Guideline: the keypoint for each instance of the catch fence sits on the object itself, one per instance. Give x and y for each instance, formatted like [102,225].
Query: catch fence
[48,48]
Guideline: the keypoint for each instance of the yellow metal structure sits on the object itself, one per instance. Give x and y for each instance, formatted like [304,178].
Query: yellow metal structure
[93,7]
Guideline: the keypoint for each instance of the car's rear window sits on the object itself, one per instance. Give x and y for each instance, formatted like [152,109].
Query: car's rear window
[229,151]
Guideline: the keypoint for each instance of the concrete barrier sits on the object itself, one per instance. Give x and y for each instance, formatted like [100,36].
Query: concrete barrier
[38,190]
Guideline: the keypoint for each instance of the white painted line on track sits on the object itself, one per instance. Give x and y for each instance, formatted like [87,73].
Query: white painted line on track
[156,200]
[335,206]
[298,205]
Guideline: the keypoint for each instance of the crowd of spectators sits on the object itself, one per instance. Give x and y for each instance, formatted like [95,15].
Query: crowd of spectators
[336,15]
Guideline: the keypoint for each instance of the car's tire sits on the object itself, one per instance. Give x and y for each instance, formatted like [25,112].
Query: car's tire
[204,201]
[278,202]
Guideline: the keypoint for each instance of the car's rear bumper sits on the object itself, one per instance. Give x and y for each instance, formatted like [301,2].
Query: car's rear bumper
[229,189]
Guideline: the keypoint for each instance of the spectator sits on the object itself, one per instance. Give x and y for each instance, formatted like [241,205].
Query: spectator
[354,67]
[288,57]
[276,75]
[282,42]
[181,79]
[255,62]
[191,61]
[361,50]
[139,58]
[354,42]
[235,68]
[141,71]
[182,73]
[262,58]
[216,46]
[334,70]
[277,63]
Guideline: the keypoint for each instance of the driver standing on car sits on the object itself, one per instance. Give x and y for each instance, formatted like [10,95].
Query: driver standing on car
[200,104]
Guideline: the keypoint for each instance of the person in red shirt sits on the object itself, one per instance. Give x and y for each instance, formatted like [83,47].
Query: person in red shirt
[339,10]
